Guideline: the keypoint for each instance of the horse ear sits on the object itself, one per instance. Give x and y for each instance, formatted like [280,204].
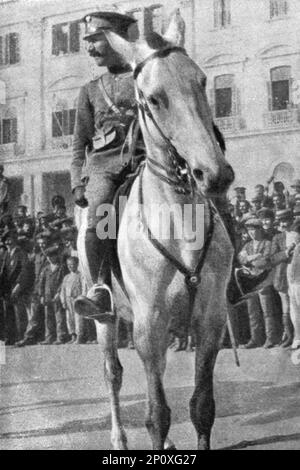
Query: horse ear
[125,49]
[176,29]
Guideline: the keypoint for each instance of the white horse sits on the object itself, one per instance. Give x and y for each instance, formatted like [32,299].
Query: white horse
[169,280]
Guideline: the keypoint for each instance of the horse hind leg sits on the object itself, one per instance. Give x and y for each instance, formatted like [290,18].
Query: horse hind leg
[152,350]
[113,372]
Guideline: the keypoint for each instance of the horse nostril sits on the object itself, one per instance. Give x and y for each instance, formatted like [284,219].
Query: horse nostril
[198,174]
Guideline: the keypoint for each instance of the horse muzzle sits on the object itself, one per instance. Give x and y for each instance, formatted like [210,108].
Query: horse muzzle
[214,184]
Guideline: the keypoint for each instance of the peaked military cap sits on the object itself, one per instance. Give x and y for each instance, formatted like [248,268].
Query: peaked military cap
[265,213]
[100,21]
[253,222]
[284,214]
[240,190]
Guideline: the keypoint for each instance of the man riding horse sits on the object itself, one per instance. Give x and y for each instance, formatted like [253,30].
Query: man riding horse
[106,115]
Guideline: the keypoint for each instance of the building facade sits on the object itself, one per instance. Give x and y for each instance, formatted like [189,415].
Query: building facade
[248,49]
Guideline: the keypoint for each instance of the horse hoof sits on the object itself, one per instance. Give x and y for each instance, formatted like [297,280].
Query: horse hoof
[169,445]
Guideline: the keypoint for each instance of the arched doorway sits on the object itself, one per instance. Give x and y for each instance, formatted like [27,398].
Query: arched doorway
[284,172]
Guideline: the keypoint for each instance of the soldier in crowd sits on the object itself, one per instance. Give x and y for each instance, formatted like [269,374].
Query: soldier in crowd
[296,194]
[281,250]
[106,114]
[254,256]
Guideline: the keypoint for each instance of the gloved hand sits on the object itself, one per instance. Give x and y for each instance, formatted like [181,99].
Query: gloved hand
[79,197]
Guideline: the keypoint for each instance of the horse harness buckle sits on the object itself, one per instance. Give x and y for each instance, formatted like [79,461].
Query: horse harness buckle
[193,280]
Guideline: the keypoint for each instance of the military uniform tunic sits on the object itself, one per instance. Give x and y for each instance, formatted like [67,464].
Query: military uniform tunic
[100,133]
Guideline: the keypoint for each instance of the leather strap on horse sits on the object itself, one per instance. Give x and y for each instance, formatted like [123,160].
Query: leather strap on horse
[192,277]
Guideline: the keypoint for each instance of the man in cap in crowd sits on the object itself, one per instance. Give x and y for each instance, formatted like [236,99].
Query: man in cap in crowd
[262,194]
[267,217]
[35,328]
[255,258]
[51,279]
[240,195]
[3,191]
[293,197]
[256,205]
[282,248]
[18,282]
[105,115]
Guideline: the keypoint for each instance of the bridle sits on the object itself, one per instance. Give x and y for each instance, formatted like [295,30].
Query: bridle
[181,178]
[179,173]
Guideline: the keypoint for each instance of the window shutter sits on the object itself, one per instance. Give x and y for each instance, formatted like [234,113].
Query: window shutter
[6,131]
[212,100]
[57,124]
[14,130]
[75,36]
[1,51]
[236,101]
[6,49]
[1,136]
[14,52]
[291,91]
[270,100]
[54,40]
[72,118]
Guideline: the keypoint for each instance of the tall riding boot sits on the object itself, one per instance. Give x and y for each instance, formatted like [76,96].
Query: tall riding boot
[97,304]
[288,331]
[256,323]
[271,332]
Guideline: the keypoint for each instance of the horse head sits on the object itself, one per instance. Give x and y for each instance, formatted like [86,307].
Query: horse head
[171,88]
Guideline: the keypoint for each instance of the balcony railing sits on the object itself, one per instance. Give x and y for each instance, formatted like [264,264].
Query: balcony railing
[283,118]
[62,143]
[11,150]
[230,123]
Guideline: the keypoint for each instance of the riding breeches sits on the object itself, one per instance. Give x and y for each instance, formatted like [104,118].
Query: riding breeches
[94,253]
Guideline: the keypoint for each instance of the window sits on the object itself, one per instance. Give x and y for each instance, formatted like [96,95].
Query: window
[66,38]
[153,19]
[222,16]
[8,131]
[279,88]
[9,49]
[278,8]
[224,96]
[63,122]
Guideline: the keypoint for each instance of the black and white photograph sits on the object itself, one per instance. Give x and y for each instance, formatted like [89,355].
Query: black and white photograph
[150,227]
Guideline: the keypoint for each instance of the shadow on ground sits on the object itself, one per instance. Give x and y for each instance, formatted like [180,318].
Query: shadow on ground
[269,403]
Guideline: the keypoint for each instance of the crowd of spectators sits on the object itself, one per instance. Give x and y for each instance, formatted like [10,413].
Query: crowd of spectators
[40,273]
[267,230]
[40,278]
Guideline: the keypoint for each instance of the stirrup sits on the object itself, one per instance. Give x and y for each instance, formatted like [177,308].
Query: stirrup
[97,305]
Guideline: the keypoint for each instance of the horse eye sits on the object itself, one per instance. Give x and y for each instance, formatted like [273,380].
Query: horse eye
[153,101]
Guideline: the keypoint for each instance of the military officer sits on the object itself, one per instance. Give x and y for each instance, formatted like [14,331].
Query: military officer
[105,114]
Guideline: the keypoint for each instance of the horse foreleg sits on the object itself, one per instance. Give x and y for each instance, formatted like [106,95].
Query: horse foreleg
[113,371]
[151,345]
[202,404]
